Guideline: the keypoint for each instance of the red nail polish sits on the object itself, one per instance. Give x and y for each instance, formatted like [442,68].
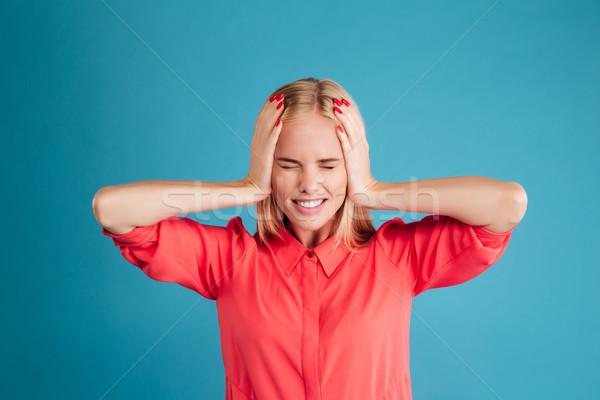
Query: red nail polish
[339,103]
[272,98]
[340,128]
[279,105]
[279,97]
[338,110]
[346,102]
[278,122]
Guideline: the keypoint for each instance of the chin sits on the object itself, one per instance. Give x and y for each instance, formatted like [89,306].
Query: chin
[309,225]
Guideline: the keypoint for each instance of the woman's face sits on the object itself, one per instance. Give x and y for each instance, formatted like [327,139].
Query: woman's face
[309,166]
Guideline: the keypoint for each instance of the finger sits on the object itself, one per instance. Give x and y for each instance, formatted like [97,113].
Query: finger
[338,103]
[353,123]
[274,137]
[278,102]
[347,121]
[274,109]
[355,112]
[337,110]
[272,103]
[276,96]
[343,137]
[278,110]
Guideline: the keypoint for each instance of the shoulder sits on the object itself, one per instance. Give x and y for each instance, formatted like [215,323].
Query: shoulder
[396,230]
[393,227]
[437,227]
[237,225]
[234,224]
[184,229]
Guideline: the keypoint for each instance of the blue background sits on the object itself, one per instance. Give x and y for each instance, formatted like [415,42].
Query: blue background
[103,93]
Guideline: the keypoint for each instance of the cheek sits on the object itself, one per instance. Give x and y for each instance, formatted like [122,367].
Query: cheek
[280,185]
[340,181]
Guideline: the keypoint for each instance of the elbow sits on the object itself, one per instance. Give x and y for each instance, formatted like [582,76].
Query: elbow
[97,204]
[515,202]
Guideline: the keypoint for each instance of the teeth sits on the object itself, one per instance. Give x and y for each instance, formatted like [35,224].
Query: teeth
[310,204]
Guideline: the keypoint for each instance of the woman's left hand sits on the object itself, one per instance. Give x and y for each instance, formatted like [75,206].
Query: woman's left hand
[353,139]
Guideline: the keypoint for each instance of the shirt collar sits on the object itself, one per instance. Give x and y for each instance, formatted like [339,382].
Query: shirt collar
[287,250]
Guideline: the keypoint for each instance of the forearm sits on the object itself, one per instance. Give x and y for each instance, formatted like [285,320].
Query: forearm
[475,200]
[145,203]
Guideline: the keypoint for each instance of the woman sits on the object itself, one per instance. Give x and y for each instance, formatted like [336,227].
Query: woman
[316,304]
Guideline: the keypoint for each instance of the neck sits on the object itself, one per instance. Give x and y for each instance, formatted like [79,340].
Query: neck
[309,239]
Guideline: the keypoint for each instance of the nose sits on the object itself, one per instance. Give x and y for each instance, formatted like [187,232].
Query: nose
[310,181]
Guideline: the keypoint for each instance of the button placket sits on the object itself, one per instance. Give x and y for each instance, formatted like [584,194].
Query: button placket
[310,326]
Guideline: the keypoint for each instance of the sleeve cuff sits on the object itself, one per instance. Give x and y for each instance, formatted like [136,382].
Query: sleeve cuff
[138,236]
[485,235]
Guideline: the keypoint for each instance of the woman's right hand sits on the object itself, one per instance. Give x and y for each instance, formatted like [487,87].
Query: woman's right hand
[266,133]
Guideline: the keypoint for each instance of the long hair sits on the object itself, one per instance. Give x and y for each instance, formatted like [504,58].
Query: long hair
[353,224]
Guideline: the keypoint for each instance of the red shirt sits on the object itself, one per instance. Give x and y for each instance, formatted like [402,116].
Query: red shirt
[297,323]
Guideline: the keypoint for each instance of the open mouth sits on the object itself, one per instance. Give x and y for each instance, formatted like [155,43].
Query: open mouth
[310,204]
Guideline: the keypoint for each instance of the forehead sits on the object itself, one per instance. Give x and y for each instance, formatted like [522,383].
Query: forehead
[311,135]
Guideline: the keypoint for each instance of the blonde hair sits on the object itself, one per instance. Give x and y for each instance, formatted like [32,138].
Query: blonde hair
[353,223]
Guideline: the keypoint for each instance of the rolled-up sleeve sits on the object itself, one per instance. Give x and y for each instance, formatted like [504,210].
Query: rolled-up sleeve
[178,249]
[440,251]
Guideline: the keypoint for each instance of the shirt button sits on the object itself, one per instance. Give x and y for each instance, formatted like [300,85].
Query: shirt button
[310,254]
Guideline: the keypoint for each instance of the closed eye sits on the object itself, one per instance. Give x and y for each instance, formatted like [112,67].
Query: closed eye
[288,167]
[295,167]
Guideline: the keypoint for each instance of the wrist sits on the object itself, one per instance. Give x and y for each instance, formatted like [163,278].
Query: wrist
[368,196]
[254,192]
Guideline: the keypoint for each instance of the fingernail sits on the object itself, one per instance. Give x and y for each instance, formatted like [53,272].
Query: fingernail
[278,121]
[339,103]
[279,105]
[346,102]
[272,98]
[338,110]
[340,128]
[279,97]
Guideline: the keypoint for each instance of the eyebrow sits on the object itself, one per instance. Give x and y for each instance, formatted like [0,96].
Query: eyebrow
[322,160]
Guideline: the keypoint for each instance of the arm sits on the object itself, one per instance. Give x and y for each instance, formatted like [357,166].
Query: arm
[475,200]
[123,207]
[119,209]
